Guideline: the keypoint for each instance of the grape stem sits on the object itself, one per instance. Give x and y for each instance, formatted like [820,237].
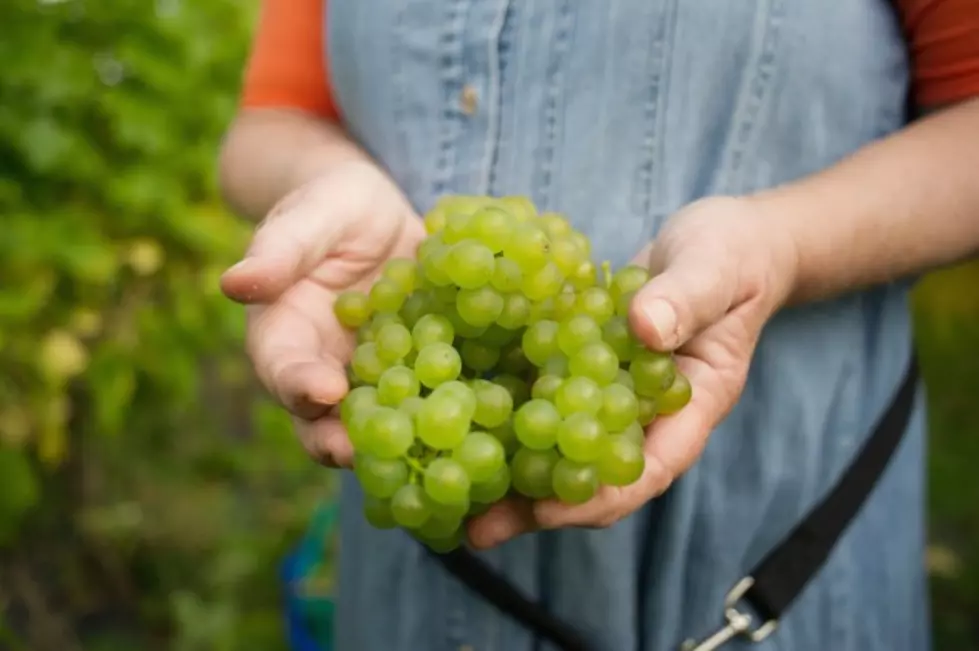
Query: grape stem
[607,273]
[414,465]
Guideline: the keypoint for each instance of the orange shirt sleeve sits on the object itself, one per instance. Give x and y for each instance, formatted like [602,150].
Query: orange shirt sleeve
[943,36]
[287,66]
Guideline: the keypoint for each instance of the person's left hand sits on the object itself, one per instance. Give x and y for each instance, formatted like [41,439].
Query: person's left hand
[720,268]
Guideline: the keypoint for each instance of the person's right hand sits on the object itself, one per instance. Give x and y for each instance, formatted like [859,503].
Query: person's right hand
[332,234]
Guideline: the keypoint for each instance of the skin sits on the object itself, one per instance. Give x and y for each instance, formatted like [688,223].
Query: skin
[723,265]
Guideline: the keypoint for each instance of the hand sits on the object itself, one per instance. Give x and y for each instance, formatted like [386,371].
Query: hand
[720,269]
[332,234]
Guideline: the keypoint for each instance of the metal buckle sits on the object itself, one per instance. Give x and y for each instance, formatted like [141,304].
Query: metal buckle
[738,623]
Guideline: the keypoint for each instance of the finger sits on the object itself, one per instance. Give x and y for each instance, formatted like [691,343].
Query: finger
[504,521]
[326,441]
[688,296]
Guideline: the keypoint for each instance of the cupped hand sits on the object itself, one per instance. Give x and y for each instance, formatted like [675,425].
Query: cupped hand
[332,234]
[720,268]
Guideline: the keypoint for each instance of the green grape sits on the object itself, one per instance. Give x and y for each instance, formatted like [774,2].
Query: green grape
[462,327]
[470,264]
[478,508]
[410,406]
[360,398]
[434,265]
[517,388]
[554,224]
[564,304]
[439,526]
[519,206]
[575,332]
[365,334]
[652,372]
[460,392]
[445,295]
[545,388]
[426,247]
[498,336]
[432,329]
[619,407]
[463,204]
[648,409]
[597,303]
[479,307]
[393,342]
[366,363]
[492,489]
[582,241]
[437,363]
[456,228]
[556,365]
[528,247]
[454,511]
[382,319]
[578,393]
[616,333]
[481,455]
[545,282]
[536,424]
[540,341]
[387,296]
[378,514]
[565,254]
[541,311]
[409,359]
[596,360]
[580,436]
[403,272]
[573,482]
[627,280]
[586,276]
[516,311]
[634,432]
[357,427]
[531,470]
[507,275]
[447,482]
[380,477]
[513,361]
[494,404]
[676,397]
[435,219]
[446,545]
[478,356]
[507,437]
[420,303]
[620,461]
[388,433]
[443,421]
[492,227]
[623,303]
[409,506]
[352,309]
[396,385]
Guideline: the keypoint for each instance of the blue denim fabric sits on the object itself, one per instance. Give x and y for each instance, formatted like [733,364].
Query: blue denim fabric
[617,113]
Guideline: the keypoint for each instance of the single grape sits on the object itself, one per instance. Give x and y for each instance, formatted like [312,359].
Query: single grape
[566,254]
[540,341]
[393,342]
[481,455]
[586,276]
[627,280]
[447,482]
[634,432]
[380,477]
[456,227]
[410,406]
[367,364]
[479,307]
[443,421]
[478,356]
[596,360]
[435,264]
[462,327]
[616,333]
[507,275]
[530,472]
[460,392]
[352,309]
[439,527]
[528,247]
[494,404]
[381,319]
[554,224]
[507,437]
[536,423]
[648,409]
[397,384]
[365,334]
[597,303]
[517,388]
[575,332]
[470,264]
[437,363]
[447,544]
[619,407]
[432,329]
[403,272]
[492,227]
[387,296]
[556,365]
[492,489]
[357,426]
[573,482]
[579,437]
[435,219]
[542,283]
[620,461]
[378,514]
[516,311]
[623,303]
[676,397]
[545,388]
[388,434]
[416,306]
[521,207]
[624,378]
[652,372]
[360,398]
[578,393]
[455,511]
[582,241]
[409,506]
[564,305]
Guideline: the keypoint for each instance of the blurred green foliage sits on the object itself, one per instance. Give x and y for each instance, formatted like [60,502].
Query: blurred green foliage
[147,493]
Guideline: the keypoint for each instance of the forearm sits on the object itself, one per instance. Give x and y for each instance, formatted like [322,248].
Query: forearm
[267,153]
[905,204]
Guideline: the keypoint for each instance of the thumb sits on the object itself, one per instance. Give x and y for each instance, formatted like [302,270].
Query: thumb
[687,297]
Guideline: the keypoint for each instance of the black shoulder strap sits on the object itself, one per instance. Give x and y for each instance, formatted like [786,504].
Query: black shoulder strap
[776,581]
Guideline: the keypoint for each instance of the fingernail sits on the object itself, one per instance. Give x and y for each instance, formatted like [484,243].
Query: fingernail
[662,317]
[238,266]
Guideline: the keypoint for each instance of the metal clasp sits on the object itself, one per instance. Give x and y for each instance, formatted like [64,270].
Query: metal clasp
[738,623]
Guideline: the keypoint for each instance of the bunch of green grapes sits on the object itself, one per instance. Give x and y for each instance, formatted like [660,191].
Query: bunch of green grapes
[500,361]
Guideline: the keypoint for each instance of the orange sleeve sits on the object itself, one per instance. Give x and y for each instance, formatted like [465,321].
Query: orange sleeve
[287,66]
[943,37]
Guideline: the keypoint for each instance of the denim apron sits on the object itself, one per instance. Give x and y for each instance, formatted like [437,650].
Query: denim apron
[617,113]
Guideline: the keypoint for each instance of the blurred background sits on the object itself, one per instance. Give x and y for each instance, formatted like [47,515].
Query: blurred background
[148,494]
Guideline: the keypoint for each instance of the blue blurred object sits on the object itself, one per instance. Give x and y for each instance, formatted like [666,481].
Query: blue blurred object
[309,618]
